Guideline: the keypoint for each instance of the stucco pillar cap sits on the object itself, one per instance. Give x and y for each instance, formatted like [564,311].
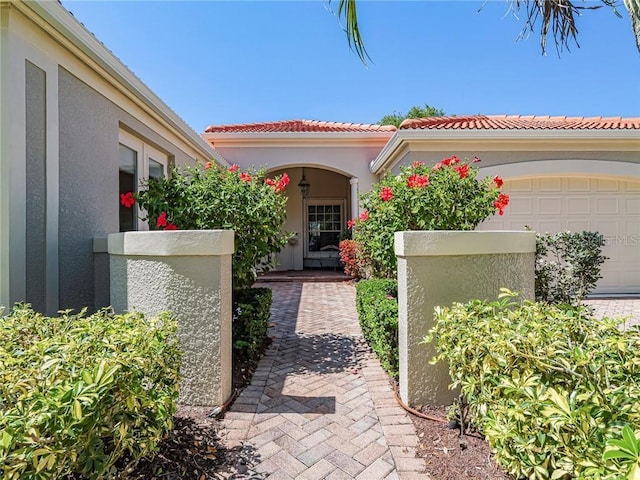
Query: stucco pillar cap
[171,243]
[456,242]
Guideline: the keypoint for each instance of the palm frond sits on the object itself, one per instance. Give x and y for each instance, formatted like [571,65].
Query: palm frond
[633,6]
[347,12]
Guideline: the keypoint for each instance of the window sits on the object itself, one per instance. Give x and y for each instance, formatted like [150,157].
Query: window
[324,224]
[139,161]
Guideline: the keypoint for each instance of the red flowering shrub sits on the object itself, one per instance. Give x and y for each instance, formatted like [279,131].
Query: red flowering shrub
[210,198]
[447,196]
[351,258]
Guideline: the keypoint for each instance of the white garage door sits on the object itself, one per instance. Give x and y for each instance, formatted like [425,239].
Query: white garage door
[555,204]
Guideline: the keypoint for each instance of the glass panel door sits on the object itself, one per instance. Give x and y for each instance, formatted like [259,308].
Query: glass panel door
[324,225]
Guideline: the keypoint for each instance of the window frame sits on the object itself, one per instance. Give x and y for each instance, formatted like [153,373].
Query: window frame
[144,152]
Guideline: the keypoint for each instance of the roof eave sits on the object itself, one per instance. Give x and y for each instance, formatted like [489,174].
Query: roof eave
[398,144]
[253,138]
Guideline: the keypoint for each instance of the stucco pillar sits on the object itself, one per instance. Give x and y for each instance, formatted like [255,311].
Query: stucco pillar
[187,273]
[355,201]
[443,267]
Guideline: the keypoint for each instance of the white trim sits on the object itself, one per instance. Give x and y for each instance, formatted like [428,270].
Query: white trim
[355,198]
[144,151]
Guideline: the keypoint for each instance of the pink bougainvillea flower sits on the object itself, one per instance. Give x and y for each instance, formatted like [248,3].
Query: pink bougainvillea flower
[208,165]
[245,177]
[417,181]
[501,202]
[416,164]
[476,159]
[386,194]
[170,226]
[162,220]
[454,160]
[234,168]
[437,167]
[364,216]
[498,181]
[127,200]
[351,223]
[463,170]
[270,182]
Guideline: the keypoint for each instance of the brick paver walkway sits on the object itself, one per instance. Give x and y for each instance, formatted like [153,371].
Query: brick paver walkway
[319,405]
[617,307]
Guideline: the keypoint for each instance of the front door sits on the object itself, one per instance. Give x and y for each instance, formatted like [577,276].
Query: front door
[323,225]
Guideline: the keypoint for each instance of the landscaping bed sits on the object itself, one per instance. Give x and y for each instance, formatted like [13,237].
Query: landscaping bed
[448,456]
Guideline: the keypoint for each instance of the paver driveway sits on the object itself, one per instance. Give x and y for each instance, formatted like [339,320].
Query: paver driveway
[319,405]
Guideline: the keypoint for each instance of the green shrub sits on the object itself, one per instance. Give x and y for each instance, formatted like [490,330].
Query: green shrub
[446,196]
[377,303]
[567,265]
[79,393]
[246,202]
[251,321]
[549,386]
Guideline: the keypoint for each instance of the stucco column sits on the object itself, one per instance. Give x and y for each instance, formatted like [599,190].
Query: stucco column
[187,273]
[443,267]
[355,201]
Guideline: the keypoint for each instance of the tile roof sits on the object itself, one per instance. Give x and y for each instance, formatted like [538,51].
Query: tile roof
[521,122]
[296,126]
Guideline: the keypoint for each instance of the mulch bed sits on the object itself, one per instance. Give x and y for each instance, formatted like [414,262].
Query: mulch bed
[193,450]
[450,456]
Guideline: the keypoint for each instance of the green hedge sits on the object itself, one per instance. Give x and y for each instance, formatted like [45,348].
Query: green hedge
[549,386]
[251,321]
[377,304]
[79,393]
[567,265]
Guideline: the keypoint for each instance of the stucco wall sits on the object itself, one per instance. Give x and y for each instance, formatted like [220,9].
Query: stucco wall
[36,186]
[439,268]
[89,130]
[187,273]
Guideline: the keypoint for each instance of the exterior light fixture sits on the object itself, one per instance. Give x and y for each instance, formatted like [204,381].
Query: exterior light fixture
[304,185]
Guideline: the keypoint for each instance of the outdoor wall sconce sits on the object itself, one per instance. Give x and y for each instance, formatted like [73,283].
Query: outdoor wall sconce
[304,185]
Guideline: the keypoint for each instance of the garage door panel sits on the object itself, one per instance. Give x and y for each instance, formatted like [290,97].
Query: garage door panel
[611,207]
[549,206]
[550,184]
[606,185]
[578,184]
[578,205]
[607,206]
[521,206]
[632,206]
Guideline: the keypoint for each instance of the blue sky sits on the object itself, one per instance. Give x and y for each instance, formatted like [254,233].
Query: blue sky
[217,62]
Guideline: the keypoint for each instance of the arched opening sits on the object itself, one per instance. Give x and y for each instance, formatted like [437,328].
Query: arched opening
[318,220]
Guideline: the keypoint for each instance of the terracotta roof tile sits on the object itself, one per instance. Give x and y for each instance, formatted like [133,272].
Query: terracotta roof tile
[521,122]
[295,126]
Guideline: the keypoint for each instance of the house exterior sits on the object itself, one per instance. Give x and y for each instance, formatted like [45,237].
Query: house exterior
[76,129]
[562,173]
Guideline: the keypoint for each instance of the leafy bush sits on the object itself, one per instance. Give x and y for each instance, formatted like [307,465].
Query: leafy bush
[79,393]
[251,321]
[245,202]
[446,196]
[548,385]
[351,258]
[377,304]
[567,265]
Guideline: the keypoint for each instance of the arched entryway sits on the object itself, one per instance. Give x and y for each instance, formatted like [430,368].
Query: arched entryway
[318,219]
